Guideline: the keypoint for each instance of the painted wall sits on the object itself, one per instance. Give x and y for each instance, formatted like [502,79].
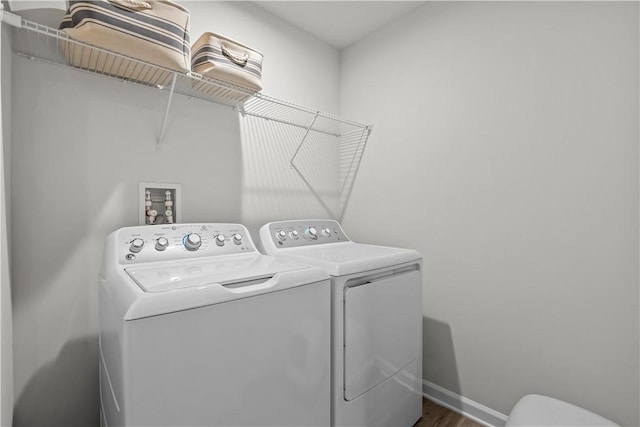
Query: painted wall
[505,149]
[80,146]
[6,312]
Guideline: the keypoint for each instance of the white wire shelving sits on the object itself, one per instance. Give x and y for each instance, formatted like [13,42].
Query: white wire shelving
[39,42]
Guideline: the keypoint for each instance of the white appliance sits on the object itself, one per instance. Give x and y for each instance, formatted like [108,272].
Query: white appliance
[199,329]
[376,320]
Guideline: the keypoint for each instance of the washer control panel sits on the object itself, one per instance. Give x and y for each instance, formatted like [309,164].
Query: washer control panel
[148,243]
[297,233]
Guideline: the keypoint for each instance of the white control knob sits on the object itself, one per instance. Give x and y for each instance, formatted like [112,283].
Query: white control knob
[162,243]
[311,233]
[219,238]
[326,232]
[281,235]
[237,238]
[294,234]
[192,241]
[136,245]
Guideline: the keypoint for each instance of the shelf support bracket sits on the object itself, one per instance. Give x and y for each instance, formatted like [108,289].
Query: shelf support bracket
[299,172]
[304,137]
[166,111]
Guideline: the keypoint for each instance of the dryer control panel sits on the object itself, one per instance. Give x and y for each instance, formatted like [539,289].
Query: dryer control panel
[297,233]
[167,242]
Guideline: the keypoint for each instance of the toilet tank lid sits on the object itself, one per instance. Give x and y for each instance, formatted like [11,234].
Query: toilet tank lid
[537,410]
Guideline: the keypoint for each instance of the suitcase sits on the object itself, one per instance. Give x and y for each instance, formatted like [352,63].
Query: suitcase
[221,58]
[153,31]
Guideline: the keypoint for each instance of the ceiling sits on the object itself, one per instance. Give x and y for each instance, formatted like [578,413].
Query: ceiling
[339,23]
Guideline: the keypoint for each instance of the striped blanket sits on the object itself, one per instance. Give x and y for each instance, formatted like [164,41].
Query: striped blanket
[153,31]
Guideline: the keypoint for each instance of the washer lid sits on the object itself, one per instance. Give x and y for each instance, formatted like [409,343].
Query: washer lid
[339,259]
[227,271]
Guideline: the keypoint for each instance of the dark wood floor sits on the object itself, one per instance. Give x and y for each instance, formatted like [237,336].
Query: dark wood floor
[436,416]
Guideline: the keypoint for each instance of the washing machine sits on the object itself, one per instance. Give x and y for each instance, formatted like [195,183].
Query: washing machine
[197,328]
[376,292]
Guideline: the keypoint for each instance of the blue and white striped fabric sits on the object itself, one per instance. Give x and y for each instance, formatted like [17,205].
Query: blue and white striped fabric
[222,58]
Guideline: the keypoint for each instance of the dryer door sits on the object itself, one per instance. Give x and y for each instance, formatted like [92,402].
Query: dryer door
[382,328]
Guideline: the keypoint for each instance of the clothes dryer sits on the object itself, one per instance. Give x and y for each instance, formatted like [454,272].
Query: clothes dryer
[376,320]
[199,329]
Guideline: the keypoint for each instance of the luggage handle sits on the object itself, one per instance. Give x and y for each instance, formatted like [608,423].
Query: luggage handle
[237,58]
[131,4]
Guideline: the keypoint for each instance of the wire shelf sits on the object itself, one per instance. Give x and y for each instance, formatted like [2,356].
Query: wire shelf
[39,42]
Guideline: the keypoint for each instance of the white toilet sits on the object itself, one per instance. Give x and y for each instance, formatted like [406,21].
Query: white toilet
[537,410]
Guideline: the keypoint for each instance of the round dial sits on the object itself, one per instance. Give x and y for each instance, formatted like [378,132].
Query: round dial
[219,238]
[192,241]
[294,234]
[237,238]
[162,243]
[136,245]
[281,235]
[326,232]
[311,233]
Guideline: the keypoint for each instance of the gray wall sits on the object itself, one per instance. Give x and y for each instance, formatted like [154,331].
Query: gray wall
[6,318]
[505,150]
[505,143]
[80,146]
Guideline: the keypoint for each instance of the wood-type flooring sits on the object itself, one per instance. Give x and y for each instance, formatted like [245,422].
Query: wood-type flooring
[437,416]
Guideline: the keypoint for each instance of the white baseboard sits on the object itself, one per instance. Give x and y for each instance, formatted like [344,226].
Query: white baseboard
[463,406]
